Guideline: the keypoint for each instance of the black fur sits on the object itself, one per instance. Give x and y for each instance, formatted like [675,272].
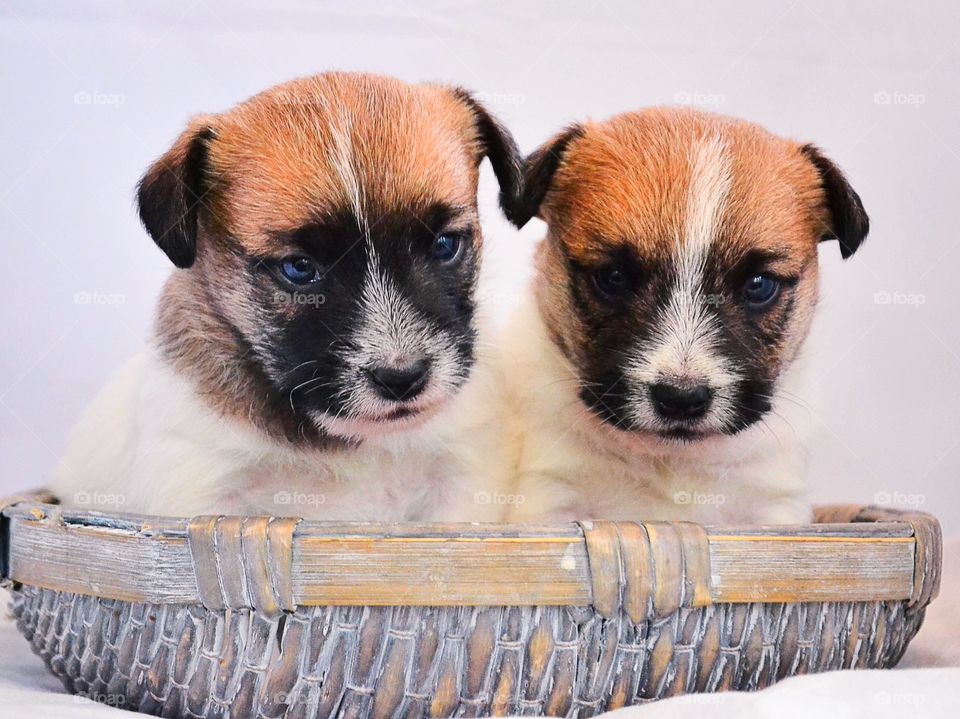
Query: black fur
[849,221]
[616,326]
[309,330]
[538,171]
[169,197]
[502,151]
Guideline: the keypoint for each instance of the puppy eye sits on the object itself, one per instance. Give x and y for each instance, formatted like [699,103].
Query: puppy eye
[299,270]
[760,291]
[611,282]
[446,248]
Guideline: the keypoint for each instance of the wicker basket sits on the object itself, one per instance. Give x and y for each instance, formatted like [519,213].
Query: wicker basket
[276,617]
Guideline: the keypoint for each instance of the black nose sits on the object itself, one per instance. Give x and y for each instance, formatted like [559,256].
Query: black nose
[400,383]
[674,402]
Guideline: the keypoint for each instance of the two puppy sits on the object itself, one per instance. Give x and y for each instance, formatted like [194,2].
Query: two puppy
[323,338]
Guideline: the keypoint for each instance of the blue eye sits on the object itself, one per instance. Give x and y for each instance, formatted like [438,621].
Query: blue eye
[760,291]
[299,270]
[446,248]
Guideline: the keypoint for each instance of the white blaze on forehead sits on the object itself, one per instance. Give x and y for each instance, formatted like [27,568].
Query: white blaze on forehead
[683,342]
[343,162]
[343,159]
[707,198]
[686,329]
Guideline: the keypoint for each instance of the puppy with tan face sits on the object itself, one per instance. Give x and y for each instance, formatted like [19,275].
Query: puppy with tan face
[658,373]
[315,354]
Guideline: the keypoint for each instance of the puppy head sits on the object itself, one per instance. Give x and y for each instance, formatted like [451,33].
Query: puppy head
[679,274]
[331,224]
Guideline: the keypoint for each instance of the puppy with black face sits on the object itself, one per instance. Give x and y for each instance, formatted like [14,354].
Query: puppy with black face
[657,373]
[316,352]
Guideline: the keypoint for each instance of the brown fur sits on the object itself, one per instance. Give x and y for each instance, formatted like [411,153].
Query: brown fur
[286,157]
[624,186]
[410,145]
[627,181]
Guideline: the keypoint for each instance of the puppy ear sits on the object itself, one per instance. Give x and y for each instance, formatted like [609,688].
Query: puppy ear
[849,223]
[170,193]
[538,171]
[500,148]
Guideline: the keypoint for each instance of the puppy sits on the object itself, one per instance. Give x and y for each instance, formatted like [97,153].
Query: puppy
[315,354]
[658,371]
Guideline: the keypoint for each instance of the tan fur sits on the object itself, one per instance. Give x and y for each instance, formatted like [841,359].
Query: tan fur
[195,422]
[282,158]
[598,202]
[336,139]
[638,181]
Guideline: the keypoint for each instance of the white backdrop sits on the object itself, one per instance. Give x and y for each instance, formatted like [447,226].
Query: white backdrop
[92,92]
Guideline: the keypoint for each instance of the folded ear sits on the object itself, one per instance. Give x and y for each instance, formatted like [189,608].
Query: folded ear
[538,171]
[500,148]
[849,223]
[170,193]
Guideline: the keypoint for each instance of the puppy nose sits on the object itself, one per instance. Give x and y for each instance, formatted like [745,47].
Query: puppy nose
[400,383]
[674,402]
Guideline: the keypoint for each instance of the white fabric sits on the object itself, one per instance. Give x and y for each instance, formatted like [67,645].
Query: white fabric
[927,684]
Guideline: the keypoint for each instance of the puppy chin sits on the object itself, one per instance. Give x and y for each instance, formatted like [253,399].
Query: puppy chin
[379,419]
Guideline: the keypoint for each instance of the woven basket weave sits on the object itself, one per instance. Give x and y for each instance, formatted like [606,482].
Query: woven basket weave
[273,617]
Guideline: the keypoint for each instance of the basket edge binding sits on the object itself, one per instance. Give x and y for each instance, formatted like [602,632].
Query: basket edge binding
[645,569]
[928,538]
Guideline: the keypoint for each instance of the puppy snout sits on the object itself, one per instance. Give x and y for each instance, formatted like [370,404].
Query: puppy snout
[681,403]
[400,384]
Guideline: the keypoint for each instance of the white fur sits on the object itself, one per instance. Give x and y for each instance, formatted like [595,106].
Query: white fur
[341,131]
[569,465]
[683,347]
[149,444]
[392,333]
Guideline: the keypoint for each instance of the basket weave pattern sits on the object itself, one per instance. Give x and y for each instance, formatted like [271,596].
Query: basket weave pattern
[268,617]
[182,661]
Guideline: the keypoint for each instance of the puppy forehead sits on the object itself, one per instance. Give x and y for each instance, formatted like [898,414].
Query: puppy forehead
[647,179]
[320,145]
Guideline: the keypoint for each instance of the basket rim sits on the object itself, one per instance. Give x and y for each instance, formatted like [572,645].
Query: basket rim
[275,564]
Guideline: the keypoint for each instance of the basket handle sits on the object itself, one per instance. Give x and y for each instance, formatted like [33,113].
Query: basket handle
[243,562]
[649,569]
